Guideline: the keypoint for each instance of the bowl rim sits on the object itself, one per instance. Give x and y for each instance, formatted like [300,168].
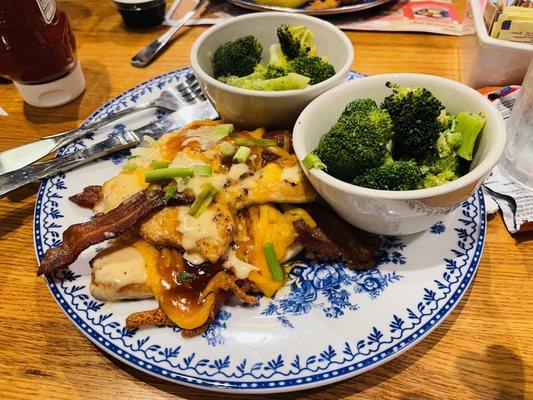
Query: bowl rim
[203,75]
[472,177]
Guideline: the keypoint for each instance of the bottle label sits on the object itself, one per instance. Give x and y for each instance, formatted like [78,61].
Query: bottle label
[48,9]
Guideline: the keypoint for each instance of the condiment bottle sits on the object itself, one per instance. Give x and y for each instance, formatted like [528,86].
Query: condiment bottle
[38,52]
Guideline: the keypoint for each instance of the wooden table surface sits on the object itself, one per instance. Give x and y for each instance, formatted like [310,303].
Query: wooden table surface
[482,351]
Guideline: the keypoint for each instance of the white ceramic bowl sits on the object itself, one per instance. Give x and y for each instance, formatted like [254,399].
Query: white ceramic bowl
[251,108]
[396,212]
[486,61]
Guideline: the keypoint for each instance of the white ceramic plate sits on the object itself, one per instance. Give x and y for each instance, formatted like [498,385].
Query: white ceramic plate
[327,324]
[359,6]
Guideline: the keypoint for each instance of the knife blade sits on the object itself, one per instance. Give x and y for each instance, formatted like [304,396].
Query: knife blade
[20,177]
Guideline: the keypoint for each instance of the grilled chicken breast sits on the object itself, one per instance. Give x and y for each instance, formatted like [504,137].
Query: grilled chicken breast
[204,239]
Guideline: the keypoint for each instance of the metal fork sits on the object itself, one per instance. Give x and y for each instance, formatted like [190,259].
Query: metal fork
[191,105]
[170,100]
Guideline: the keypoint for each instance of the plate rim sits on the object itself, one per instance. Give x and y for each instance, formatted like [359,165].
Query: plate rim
[328,11]
[439,315]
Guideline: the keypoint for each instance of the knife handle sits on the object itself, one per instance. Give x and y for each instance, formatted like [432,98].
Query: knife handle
[28,153]
[20,177]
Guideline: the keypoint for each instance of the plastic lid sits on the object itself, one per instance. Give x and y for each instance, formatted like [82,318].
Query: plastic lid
[55,93]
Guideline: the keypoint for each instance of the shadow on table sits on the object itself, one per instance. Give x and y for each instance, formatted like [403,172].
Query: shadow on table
[338,390]
[524,237]
[12,219]
[96,93]
[502,371]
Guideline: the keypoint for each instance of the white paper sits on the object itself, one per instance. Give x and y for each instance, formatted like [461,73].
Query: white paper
[515,201]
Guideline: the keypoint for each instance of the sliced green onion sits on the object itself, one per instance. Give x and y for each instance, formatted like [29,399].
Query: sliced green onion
[312,161]
[227,149]
[130,167]
[255,142]
[202,170]
[272,261]
[242,154]
[224,130]
[167,173]
[170,191]
[158,164]
[186,276]
[203,200]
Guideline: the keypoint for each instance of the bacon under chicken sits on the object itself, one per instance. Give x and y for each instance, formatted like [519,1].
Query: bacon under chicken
[335,237]
[224,292]
[88,197]
[81,236]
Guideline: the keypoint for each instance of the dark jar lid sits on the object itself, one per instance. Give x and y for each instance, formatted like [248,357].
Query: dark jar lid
[137,5]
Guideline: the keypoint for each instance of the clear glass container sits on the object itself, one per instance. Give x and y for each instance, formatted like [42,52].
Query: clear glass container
[517,160]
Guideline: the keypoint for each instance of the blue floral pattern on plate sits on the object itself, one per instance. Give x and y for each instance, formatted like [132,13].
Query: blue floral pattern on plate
[438,228]
[327,322]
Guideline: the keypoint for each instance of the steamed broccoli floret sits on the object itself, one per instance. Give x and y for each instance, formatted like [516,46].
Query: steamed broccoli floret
[356,143]
[296,41]
[290,81]
[237,58]
[468,125]
[258,73]
[278,59]
[414,112]
[437,165]
[448,142]
[314,67]
[396,175]
[259,80]
[446,120]
[274,72]
[449,162]
[359,106]
[432,180]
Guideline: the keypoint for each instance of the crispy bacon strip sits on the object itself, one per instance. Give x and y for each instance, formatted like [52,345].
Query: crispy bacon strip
[335,237]
[283,139]
[224,293]
[88,196]
[181,199]
[79,237]
[268,157]
[313,239]
[143,319]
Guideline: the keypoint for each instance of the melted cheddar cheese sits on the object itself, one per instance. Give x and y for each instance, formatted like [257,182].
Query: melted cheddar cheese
[268,224]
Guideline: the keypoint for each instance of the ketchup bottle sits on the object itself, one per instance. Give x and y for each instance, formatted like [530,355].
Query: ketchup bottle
[38,52]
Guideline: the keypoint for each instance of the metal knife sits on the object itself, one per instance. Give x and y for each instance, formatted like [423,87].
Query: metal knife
[20,177]
[28,153]
[147,54]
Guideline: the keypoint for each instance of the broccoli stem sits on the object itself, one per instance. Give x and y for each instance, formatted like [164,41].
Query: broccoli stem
[469,125]
[311,160]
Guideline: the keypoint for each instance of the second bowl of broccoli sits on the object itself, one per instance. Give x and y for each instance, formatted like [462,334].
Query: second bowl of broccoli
[263,69]
[394,154]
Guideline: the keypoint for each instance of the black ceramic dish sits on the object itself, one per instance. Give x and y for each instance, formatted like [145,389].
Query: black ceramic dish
[141,13]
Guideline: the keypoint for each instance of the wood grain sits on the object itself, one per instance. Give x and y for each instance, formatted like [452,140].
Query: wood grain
[482,351]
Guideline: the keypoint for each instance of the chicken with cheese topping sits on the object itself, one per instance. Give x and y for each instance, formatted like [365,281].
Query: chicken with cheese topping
[220,217]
